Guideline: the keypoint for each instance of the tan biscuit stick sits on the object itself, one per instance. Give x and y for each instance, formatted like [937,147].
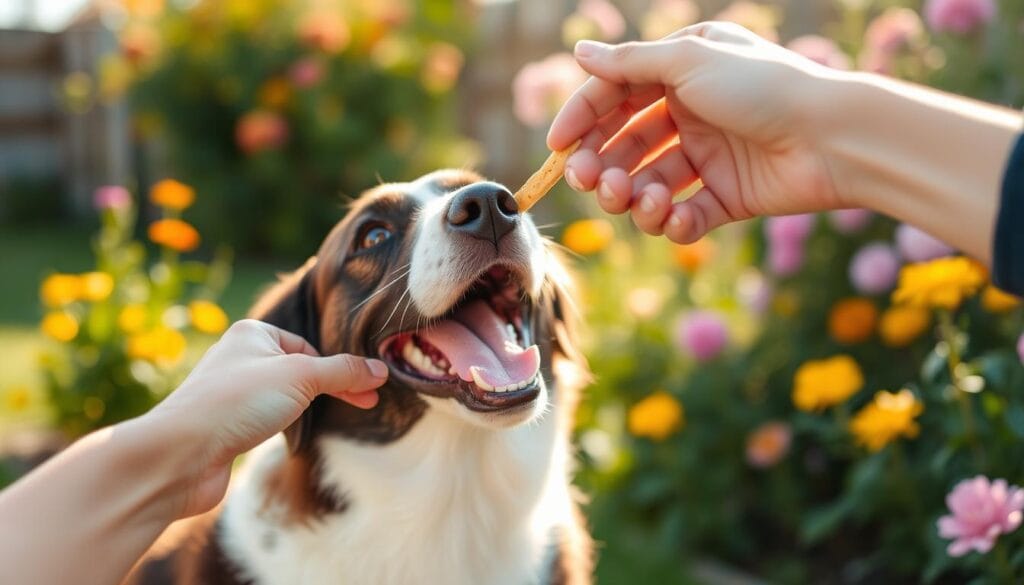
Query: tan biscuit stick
[544,179]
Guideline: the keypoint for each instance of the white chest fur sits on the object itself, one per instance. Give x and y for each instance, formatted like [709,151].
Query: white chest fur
[447,503]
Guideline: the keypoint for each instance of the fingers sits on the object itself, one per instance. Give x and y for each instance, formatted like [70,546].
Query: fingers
[290,342]
[343,376]
[647,133]
[596,111]
[650,208]
[690,220]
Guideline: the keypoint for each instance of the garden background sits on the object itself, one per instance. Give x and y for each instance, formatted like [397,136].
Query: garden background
[789,400]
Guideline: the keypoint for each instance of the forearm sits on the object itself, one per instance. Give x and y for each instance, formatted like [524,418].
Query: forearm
[924,157]
[86,515]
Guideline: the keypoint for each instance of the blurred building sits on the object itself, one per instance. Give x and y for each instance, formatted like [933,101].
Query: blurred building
[56,142]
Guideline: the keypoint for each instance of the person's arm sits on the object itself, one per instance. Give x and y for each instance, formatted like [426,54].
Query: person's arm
[928,158]
[87,515]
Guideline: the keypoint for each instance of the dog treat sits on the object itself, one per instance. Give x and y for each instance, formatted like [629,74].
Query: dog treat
[539,183]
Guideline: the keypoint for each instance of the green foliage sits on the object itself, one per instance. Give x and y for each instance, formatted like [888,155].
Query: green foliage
[829,509]
[277,111]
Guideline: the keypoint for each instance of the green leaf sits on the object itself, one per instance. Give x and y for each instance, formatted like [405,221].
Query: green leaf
[1014,417]
[825,520]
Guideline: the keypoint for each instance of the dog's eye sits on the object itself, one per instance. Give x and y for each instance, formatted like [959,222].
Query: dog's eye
[373,236]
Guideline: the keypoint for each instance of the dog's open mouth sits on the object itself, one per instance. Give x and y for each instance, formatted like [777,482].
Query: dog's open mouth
[479,352]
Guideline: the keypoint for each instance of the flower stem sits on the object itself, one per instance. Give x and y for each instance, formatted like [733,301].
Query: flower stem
[949,332]
[1003,570]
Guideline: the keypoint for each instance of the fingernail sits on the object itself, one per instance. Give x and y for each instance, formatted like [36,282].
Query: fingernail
[604,191]
[647,204]
[378,368]
[585,49]
[674,221]
[572,179]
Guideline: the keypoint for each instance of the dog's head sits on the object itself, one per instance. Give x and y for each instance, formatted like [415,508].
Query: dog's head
[444,280]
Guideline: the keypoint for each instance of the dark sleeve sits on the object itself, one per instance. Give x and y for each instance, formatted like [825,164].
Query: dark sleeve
[1008,252]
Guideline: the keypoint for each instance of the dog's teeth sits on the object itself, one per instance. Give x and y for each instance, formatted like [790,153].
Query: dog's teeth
[479,381]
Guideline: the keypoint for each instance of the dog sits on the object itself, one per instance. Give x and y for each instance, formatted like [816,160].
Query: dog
[461,473]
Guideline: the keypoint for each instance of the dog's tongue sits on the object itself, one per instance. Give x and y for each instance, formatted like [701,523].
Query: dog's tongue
[477,337]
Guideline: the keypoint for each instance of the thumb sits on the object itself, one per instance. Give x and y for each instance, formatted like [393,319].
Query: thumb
[343,374]
[636,63]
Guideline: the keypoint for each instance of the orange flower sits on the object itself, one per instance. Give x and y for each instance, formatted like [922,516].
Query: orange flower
[60,325]
[588,236]
[132,318]
[97,286]
[207,317]
[997,301]
[162,345]
[691,257]
[275,93]
[174,234]
[852,320]
[767,444]
[172,194]
[60,289]
[325,30]
[901,324]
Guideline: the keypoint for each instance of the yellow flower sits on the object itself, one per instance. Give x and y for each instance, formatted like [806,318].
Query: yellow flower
[852,320]
[174,234]
[887,417]
[97,286]
[656,417]
[819,384]
[60,289]
[172,194]
[275,93]
[60,325]
[588,236]
[132,318]
[17,398]
[943,283]
[691,257]
[207,317]
[163,345]
[901,325]
[997,301]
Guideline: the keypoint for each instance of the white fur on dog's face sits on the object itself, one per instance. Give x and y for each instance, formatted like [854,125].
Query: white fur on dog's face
[438,262]
[443,264]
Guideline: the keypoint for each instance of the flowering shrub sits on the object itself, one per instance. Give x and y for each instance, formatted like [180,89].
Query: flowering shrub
[840,375]
[276,109]
[120,333]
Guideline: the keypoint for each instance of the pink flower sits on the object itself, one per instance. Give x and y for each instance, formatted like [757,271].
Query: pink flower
[605,16]
[785,259]
[850,221]
[789,229]
[306,72]
[703,335]
[874,268]
[1020,348]
[111,197]
[981,511]
[893,32]
[821,50]
[541,87]
[918,246]
[260,130]
[958,16]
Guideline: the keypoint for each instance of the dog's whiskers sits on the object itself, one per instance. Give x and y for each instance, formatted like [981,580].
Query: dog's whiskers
[393,311]
[381,289]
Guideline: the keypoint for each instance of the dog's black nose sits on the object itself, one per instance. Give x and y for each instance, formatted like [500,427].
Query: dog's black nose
[486,211]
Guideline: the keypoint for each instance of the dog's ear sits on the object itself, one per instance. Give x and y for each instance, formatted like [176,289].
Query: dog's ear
[291,305]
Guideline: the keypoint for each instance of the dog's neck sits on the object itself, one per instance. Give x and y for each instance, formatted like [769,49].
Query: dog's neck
[446,494]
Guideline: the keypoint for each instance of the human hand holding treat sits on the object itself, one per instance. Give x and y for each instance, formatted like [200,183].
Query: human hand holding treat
[539,183]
